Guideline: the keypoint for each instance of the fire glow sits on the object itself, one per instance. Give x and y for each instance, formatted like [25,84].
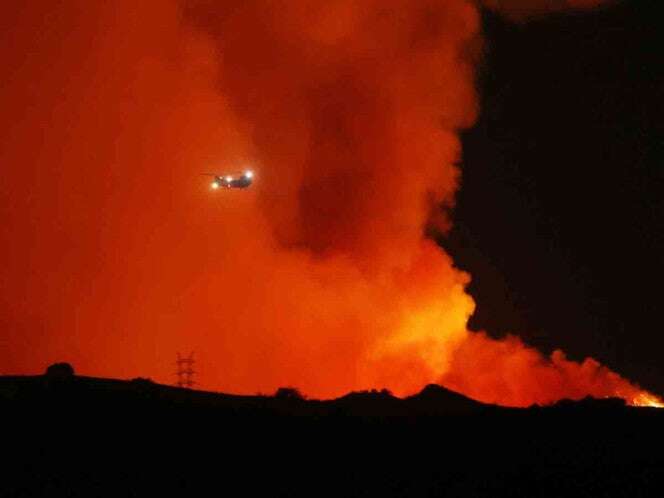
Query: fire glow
[319,277]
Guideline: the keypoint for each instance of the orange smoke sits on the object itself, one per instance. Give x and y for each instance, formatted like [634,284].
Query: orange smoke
[320,276]
[527,377]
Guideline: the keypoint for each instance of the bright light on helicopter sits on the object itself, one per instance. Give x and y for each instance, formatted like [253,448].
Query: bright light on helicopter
[229,178]
[215,185]
[249,174]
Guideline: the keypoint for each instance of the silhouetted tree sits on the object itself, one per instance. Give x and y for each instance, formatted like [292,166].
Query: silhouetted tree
[60,371]
[288,393]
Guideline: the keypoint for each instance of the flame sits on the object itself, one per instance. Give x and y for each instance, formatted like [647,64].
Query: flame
[647,399]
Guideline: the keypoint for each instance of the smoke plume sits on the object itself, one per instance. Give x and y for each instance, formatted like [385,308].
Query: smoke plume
[320,276]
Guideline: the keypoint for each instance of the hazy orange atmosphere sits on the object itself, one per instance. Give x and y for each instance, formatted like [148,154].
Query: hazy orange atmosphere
[117,254]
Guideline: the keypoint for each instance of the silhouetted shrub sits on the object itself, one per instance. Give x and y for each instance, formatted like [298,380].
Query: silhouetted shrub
[60,371]
[145,388]
[288,393]
[141,381]
[590,403]
[143,384]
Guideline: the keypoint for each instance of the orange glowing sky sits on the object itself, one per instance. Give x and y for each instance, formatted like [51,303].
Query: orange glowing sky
[118,255]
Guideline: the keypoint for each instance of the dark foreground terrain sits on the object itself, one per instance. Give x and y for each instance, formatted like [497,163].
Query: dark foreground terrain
[67,435]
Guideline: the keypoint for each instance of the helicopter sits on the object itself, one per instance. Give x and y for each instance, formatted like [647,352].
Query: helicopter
[235,180]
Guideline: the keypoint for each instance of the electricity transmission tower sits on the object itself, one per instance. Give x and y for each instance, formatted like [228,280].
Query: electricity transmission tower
[185,371]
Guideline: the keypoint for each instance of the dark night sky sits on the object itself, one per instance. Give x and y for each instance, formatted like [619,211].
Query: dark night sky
[561,214]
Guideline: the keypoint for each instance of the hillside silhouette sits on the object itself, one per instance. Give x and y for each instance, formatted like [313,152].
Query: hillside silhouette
[60,383]
[86,436]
